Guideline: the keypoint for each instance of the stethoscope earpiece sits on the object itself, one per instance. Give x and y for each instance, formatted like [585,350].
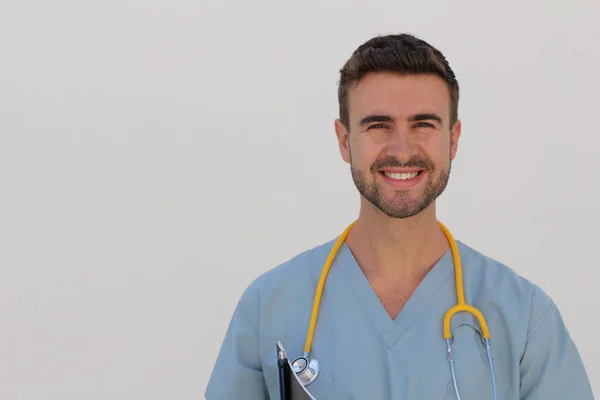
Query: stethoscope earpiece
[306,369]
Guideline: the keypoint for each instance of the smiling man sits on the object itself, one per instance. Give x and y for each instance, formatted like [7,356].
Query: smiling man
[389,279]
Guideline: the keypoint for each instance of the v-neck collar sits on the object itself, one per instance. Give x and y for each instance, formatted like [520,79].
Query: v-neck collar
[391,330]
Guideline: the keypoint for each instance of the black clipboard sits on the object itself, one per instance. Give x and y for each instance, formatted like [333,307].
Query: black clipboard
[290,388]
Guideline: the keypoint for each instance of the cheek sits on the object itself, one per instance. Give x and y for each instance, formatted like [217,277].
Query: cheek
[363,154]
[441,157]
[439,150]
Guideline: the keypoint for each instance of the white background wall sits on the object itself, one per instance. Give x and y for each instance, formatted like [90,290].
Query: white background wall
[151,153]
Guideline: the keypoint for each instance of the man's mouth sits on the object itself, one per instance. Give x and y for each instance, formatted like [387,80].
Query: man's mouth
[402,176]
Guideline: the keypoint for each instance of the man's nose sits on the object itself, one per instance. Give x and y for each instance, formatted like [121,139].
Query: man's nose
[401,144]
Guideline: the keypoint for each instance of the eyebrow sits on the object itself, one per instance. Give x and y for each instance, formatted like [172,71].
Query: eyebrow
[375,118]
[425,117]
[386,118]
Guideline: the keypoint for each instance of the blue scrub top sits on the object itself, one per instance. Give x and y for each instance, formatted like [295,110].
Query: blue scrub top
[365,354]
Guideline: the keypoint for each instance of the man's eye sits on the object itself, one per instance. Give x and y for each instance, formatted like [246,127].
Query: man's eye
[424,125]
[378,126]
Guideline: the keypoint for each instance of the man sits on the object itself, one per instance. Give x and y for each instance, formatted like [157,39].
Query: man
[379,330]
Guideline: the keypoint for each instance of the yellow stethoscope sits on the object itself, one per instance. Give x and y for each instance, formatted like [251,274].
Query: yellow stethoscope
[307,368]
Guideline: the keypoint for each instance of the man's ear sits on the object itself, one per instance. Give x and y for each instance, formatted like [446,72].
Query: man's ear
[454,138]
[343,140]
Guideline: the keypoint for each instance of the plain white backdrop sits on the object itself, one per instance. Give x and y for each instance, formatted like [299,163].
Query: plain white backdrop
[157,156]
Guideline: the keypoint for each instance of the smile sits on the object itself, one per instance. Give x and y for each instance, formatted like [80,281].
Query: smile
[402,176]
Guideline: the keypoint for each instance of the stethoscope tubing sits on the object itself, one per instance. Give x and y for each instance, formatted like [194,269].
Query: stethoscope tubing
[460,306]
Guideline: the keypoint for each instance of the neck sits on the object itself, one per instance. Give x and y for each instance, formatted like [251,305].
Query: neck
[391,247]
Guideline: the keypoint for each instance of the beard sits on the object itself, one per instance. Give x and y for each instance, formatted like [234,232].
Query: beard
[402,204]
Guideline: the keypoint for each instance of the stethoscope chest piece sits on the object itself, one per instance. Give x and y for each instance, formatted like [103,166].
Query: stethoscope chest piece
[306,369]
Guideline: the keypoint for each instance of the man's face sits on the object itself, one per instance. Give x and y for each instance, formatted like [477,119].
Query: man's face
[399,143]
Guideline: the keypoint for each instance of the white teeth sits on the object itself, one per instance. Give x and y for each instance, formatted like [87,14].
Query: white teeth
[401,177]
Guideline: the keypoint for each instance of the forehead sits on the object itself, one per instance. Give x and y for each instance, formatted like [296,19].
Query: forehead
[399,96]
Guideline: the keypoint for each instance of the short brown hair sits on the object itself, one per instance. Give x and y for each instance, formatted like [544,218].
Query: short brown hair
[402,54]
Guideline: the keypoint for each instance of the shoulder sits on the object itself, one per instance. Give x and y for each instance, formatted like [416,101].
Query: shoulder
[533,334]
[492,280]
[298,274]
